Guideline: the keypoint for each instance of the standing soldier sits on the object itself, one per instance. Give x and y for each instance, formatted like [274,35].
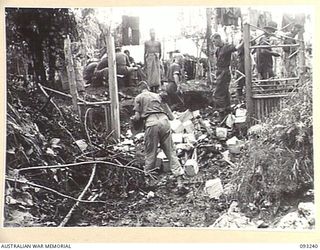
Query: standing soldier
[148,106]
[265,55]
[221,95]
[175,74]
[152,55]
[290,53]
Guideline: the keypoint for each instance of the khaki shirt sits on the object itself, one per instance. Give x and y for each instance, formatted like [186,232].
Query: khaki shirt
[148,103]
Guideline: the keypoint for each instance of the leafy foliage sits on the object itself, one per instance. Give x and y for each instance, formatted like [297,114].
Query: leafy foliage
[35,39]
[279,156]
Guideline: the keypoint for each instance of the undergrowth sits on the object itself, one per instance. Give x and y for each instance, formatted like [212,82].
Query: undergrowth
[278,158]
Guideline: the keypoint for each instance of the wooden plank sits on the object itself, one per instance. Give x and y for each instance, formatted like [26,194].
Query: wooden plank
[302,59]
[71,75]
[262,108]
[257,96]
[248,73]
[265,107]
[269,90]
[269,106]
[276,80]
[113,87]
[274,46]
[258,109]
[95,103]
[209,28]
[106,110]
[274,85]
[272,34]
[278,104]
[272,100]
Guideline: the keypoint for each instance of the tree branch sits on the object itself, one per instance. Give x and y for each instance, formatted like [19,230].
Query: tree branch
[68,216]
[53,103]
[79,164]
[50,190]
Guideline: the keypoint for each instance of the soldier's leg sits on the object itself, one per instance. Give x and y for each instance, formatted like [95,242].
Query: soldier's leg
[227,79]
[151,140]
[218,95]
[167,146]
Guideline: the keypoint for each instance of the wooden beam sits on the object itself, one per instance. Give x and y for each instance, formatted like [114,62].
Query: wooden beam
[209,28]
[56,91]
[113,86]
[95,103]
[276,80]
[248,73]
[281,36]
[272,85]
[302,59]
[261,96]
[71,75]
[274,46]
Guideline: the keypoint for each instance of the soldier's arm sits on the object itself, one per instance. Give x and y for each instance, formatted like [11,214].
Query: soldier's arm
[239,46]
[160,52]
[137,109]
[145,52]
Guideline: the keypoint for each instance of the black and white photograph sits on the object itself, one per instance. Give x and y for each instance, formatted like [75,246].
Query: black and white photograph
[162,116]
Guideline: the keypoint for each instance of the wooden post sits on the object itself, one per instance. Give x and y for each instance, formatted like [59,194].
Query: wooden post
[209,27]
[113,86]
[71,74]
[248,73]
[302,59]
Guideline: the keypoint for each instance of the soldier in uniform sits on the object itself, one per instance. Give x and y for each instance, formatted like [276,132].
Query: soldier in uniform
[152,55]
[149,107]
[221,96]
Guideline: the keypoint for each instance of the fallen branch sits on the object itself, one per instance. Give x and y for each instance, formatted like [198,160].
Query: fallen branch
[79,164]
[86,125]
[228,161]
[56,106]
[69,133]
[55,91]
[50,190]
[52,102]
[68,216]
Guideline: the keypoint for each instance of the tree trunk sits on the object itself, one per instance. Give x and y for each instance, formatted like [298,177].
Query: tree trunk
[52,61]
[208,36]
[37,57]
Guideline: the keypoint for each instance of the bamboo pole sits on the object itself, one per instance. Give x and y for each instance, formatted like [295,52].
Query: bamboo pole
[113,86]
[25,182]
[274,46]
[248,73]
[95,103]
[71,74]
[302,59]
[272,34]
[68,216]
[209,27]
[276,79]
[263,96]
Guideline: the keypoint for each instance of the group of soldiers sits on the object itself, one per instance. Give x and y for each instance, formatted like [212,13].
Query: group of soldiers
[262,59]
[151,105]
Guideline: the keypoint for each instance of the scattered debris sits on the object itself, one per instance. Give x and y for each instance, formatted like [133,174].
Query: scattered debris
[213,188]
[234,219]
[82,144]
[150,195]
[221,133]
[302,219]
[191,166]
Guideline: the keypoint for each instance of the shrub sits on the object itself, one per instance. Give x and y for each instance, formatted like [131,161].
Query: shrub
[279,158]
